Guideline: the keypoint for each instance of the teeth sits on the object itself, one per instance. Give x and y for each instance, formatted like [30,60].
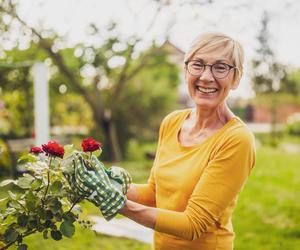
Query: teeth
[207,90]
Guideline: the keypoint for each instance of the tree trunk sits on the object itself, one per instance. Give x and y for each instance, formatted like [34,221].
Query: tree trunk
[13,160]
[111,136]
[273,110]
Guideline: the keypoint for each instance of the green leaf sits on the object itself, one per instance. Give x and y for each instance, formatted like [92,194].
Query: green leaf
[31,200]
[6,182]
[56,186]
[25,181]
[11,235]
[55,205]
[48,214]
[98,152]
[67,165]
[58,216]
[4,199]
[69,216]
[32,223]
[56,235]
[48,223]
[55,163]
[27,157]
[22,247]
[12,195]
[22,220]
[69,150]
[14,204]
[67,229]
[36,184]
[45,234]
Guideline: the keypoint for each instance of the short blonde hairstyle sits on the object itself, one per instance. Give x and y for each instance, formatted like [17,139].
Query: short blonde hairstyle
[209,41]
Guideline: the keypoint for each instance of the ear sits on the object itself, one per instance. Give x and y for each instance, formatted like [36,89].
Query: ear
[236,82]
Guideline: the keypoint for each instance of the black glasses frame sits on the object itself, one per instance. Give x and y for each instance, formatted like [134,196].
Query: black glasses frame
[210,65]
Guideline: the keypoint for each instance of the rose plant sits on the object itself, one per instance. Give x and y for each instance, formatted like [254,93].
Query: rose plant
[44,202]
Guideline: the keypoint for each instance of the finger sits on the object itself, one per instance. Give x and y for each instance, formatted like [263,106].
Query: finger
[100,171]
[90,181]
[83,181]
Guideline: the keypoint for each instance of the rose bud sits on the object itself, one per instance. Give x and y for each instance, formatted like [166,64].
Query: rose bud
[90,145]
[54,149]
[35,150]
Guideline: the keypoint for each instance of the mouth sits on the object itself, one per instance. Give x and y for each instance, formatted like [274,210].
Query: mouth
[206,90]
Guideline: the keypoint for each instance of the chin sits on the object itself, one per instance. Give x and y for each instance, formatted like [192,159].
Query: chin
[205,104]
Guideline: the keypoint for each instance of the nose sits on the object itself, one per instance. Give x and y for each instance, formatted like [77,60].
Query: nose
[207,74]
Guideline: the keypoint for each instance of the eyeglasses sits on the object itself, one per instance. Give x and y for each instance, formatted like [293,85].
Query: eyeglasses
[218,70]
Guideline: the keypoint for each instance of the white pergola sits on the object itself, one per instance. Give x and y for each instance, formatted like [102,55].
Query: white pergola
[41,107]
[41,103]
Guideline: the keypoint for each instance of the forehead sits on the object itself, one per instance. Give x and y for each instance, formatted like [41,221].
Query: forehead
[212,55]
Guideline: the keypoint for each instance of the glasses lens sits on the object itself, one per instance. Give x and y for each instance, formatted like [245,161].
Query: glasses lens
[220,70]
[195,68]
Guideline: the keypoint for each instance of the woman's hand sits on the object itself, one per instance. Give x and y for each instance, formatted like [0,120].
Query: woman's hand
[119,177]
[93,182]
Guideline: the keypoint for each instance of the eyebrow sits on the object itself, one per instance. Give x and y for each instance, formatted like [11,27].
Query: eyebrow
[217,61]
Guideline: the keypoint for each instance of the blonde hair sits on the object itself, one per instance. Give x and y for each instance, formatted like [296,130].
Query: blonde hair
[210,41]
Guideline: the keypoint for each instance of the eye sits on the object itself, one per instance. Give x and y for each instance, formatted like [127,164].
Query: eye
[197,65]
[220,67]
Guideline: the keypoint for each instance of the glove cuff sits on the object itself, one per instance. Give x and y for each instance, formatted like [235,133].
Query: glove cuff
[112,206]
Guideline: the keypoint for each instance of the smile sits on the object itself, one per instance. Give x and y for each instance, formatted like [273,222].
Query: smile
[206,90]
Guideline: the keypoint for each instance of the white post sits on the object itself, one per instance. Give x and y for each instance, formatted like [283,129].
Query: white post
[41,104]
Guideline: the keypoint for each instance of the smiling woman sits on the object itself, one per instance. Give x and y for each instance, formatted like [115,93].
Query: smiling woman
[204,157]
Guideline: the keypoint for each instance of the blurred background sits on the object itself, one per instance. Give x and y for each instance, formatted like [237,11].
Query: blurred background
[71,69]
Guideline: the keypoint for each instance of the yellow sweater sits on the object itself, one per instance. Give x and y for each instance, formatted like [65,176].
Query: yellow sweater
[195,188]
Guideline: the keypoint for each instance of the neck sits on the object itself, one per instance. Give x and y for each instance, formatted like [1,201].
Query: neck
[211,118]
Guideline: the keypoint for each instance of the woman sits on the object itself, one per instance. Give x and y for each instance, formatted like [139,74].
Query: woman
[203,159]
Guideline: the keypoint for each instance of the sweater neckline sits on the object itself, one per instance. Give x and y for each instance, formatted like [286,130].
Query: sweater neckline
[219,131]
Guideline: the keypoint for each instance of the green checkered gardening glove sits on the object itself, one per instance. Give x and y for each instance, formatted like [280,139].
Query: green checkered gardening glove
[68,166]
[119,177]
[91,178]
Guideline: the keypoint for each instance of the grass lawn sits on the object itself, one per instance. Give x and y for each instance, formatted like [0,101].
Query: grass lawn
[267,216]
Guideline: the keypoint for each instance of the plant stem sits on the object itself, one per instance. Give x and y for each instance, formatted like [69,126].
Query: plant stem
[22,206]
[23,236]
[75,202]
[48,177]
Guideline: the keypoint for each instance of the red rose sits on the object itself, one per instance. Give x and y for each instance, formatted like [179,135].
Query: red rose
[90,145]
[35,150]
[54,149]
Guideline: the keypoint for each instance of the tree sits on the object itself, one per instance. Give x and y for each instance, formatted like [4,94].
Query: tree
[291,82]
[100,73]
[267,73]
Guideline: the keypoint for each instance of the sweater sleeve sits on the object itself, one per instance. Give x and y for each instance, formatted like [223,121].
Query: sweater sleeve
[146,192]
[221,182]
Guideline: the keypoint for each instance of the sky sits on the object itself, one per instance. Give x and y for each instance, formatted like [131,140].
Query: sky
[180,21]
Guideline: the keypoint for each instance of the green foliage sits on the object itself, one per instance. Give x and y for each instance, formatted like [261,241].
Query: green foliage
[149,97]
[43,203]
[5,160]
[267,72]
[17,90]
[291,83]
[153,89]
[293,125]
